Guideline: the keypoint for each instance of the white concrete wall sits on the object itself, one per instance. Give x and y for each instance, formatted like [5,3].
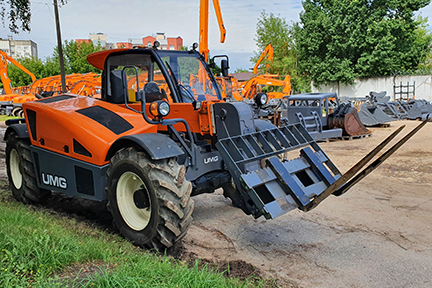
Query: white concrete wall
[362,86]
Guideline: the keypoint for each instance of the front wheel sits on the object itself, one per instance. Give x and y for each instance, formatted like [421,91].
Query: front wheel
[20,171]
[149,200]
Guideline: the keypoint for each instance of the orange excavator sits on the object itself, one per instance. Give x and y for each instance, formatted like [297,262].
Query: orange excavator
[87,87]
[50,86]
[7,86]
[9,92]
[268,51]
[253,86]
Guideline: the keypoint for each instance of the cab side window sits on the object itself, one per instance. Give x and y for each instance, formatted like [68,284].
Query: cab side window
[140,73]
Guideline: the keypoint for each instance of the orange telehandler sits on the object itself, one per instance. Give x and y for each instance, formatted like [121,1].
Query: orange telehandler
[145,158]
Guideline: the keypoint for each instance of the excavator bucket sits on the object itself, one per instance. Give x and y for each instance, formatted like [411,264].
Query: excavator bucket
[273,187]
[417,109]
[393,109]
[345,116]
[371,115]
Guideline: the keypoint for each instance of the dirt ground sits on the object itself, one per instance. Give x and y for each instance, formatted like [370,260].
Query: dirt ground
[379,234]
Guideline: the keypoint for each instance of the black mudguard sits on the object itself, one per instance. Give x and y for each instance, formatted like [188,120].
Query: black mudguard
[157,146]
[19,129]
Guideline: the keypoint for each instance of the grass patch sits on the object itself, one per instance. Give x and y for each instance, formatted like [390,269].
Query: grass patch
[39,249]
[6,117]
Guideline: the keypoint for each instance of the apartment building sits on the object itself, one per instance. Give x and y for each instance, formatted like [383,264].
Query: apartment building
[19,48]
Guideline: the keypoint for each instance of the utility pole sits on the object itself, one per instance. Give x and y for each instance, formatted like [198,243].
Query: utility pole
[60,48]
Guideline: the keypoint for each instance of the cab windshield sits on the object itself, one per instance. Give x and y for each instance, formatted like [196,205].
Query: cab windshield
[191,76]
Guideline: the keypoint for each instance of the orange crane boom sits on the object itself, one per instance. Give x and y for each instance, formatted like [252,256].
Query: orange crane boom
[204,23]
[7,86]
[267,51]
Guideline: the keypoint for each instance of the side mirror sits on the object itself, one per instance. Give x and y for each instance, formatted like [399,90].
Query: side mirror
[224,67]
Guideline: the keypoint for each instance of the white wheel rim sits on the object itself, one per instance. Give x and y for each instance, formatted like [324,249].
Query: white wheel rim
[16,175]
[136,218]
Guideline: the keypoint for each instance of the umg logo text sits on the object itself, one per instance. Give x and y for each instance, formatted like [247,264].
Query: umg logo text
[211,159]
[54,180]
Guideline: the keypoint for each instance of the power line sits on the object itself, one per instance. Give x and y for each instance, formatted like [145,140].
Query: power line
[46,4]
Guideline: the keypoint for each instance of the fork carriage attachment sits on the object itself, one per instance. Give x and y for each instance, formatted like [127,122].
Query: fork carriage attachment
[273,187]
[277,187]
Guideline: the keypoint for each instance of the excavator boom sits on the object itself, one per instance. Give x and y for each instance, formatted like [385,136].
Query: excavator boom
[204,22]
[3,71]
[267,51]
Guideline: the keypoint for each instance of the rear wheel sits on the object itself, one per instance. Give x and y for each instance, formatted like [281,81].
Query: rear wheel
[20,171]
[149,200]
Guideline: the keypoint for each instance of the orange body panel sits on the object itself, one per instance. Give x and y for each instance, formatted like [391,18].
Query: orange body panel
[97,59]
[23,99]
[8,97]
[58,124]
[199,120]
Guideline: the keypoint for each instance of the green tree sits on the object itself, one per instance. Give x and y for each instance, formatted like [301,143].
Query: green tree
[273,29]
[339,40]
[20,78]
[41,69]
[241,70]
[76,56]
[425,66]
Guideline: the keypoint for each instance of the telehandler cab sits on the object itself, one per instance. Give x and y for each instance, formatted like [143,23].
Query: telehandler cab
[160,134]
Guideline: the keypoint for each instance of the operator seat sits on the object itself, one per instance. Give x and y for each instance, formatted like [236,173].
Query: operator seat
[153,93]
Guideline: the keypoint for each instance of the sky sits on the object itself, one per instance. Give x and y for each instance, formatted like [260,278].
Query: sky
[122,20]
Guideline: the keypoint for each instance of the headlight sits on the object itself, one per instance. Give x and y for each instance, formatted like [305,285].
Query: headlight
[164,108]
[159,108]
[261,99]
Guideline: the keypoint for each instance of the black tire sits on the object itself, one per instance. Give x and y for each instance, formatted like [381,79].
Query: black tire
[15,111]
[149,200]
[20,171]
